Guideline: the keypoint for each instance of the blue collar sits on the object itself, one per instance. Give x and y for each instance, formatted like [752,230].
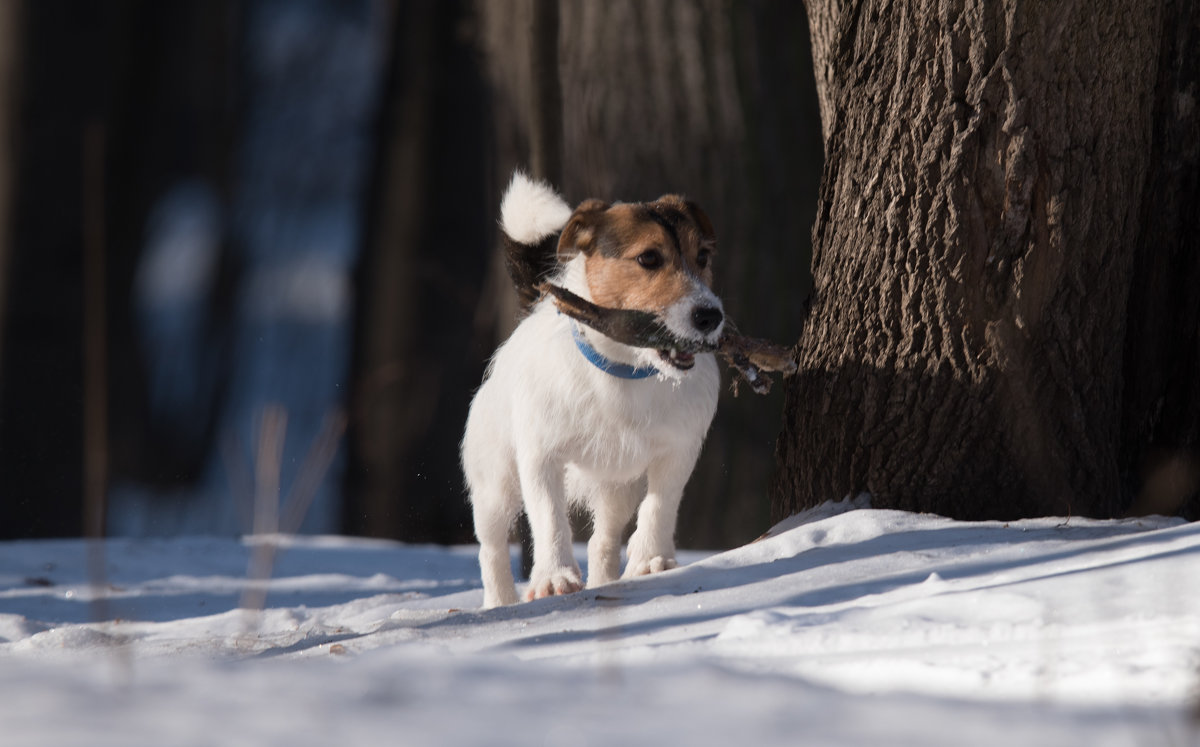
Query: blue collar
[607,365]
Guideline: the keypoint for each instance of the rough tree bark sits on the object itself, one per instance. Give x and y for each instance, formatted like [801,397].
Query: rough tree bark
[981,215]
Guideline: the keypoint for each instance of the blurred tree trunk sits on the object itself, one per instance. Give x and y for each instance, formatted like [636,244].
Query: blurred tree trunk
[10,45]
[711,99]
[170,125]
[983,255]
[95,101]
[418,356]
[41,424]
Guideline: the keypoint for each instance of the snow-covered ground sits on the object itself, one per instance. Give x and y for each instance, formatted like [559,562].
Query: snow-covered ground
[844,626]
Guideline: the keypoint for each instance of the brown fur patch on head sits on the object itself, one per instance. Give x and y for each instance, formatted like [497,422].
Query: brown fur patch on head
[580,232]
[644,255]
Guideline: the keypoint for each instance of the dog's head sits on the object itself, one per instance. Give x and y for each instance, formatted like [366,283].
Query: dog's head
[650,256]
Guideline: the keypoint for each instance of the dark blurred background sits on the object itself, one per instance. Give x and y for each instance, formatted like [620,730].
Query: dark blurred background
[248,250]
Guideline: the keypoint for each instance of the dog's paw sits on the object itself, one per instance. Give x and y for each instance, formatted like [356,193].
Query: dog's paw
[657,564]
[555,582]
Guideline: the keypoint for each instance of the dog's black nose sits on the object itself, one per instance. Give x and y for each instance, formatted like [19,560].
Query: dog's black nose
[706,318]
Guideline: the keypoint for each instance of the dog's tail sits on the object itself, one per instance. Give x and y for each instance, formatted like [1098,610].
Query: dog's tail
[531,216]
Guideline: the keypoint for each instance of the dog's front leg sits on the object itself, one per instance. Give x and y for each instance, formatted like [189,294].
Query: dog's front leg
[611,513]
[652,545]
[554,568]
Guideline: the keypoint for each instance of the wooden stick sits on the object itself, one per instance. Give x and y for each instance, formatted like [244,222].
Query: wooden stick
[750,357]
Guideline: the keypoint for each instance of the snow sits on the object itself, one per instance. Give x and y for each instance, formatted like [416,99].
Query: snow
[845,625]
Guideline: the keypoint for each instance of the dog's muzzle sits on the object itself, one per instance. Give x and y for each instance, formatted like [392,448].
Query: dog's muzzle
[704,319]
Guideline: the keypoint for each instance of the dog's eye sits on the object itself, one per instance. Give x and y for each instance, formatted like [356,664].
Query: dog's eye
[651,259]
[703,258]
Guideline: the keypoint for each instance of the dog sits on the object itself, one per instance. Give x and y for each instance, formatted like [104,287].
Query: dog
[567,416]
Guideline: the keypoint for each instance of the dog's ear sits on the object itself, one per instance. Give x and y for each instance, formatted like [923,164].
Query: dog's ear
[701,218]
[579,235]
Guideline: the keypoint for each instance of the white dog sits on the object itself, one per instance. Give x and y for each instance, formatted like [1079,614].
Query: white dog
[567,415]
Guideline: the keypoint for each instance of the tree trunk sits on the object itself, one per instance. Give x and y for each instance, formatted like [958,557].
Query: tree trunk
[979,211]
[10,38]
[1161,419]
[41,449]
[418,354]
[170,126]
[103,105]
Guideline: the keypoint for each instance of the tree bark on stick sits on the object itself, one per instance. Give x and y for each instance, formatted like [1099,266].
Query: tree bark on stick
[983,194]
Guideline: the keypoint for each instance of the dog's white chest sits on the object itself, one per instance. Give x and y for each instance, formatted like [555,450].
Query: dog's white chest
[609,427]
[614,446]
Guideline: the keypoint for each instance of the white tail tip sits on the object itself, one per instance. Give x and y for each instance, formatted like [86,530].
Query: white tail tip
[531,210]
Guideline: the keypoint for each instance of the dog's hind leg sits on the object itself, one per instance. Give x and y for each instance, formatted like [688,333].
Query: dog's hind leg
[612,508]
[494,514]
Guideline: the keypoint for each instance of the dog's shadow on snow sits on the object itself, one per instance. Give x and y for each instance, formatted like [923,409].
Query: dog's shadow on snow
[623,613]
[785,577]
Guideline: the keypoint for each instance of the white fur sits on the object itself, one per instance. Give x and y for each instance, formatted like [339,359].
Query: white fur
[548,428]
[532,210]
